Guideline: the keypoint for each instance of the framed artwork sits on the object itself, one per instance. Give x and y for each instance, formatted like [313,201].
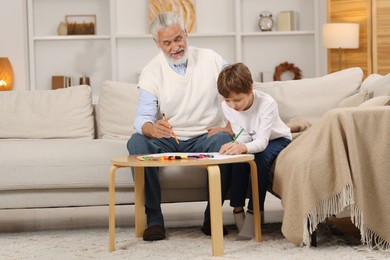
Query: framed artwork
[186,8]
[81,24]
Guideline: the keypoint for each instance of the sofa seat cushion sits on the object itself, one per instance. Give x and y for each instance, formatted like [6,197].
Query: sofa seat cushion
[60,164]
[183,177]
[310,98]
[61,113]
[77,164]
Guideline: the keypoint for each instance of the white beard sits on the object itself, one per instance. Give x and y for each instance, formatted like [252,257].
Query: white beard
[179,61]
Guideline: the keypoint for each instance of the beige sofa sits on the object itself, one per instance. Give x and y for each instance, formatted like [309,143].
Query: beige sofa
[56,146]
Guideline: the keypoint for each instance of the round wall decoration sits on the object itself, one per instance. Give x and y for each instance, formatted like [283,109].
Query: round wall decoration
[287,67]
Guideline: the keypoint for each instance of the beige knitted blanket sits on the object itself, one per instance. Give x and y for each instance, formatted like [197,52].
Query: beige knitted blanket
[341,162]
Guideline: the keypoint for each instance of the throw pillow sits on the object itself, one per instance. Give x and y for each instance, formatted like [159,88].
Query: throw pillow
[377,101]
[64,113]
[298,124]
[312,97]
[117,109]
[376,85]
[355,100]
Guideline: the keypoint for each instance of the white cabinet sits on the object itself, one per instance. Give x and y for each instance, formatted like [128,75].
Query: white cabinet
[122,46]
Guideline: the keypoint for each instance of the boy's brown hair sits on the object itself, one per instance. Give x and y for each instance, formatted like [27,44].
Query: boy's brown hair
[235,78]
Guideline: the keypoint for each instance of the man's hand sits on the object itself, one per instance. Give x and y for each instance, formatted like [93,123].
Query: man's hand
[233,148]
[161,129]
[212,131]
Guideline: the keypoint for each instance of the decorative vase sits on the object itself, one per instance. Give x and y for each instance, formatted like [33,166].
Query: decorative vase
[84,81]
[62,29]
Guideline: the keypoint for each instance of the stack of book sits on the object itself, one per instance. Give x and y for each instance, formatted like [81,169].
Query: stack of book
[60,82]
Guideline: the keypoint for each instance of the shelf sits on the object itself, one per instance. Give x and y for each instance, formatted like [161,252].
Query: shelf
[280,33]
[190,35]
[72,37]
[123,46]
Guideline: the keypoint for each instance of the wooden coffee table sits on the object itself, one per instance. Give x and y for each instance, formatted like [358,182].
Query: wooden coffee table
[212,165]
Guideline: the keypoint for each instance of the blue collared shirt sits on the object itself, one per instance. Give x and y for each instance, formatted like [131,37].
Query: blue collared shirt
[147,106]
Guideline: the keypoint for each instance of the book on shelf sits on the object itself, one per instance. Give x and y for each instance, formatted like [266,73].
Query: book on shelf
[60,81]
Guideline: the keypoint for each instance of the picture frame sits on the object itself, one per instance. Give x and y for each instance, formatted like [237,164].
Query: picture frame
[81,24]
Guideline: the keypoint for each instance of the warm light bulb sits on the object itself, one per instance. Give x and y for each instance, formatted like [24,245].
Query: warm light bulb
[3,83]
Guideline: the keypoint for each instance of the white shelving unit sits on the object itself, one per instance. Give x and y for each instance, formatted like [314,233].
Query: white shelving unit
[122,45]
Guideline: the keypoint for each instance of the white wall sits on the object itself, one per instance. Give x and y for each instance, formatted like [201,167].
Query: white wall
[14,43]
[13,39]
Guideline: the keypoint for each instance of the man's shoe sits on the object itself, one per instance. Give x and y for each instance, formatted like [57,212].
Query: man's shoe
[206,229]
[154,233]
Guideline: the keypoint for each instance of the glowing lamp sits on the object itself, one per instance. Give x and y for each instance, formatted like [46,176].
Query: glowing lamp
[6,74]
[341,36]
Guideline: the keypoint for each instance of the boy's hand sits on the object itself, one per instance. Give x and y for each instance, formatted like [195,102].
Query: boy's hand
[233,148]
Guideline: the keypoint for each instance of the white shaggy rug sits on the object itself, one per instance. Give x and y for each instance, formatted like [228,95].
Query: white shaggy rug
[181,243]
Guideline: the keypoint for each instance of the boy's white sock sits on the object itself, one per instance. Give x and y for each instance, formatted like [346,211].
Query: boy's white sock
[239,218]
[247,231]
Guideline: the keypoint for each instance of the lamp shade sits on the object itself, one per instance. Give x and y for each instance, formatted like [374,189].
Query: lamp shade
[6,74]
[341,35]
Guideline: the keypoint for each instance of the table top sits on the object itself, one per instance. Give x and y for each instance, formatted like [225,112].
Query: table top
[131,161]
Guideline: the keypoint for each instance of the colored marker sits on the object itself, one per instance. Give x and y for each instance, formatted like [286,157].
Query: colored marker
[174,135]
[235,138]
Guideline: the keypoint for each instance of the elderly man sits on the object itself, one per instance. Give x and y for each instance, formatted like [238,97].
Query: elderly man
[180,82]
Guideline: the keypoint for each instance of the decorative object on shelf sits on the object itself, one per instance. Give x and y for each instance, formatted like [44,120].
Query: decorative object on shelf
[6,74]
[287,67]
[266,22]
[186,8]
[81,24]
[59,81]
[62,29]
[84,80]
[340,36]
[287,21]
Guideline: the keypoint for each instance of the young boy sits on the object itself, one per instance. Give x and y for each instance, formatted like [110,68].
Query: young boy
[263,134]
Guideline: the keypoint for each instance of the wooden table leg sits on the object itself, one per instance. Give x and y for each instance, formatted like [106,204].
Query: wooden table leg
[215,210]
[255,199]
[139,201]
[111,214]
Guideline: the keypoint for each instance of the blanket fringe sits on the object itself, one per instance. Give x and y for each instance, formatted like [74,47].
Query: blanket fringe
[368,237]
[325,209]
[335,205]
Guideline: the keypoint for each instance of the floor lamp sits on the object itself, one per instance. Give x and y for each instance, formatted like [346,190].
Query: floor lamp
[340,36]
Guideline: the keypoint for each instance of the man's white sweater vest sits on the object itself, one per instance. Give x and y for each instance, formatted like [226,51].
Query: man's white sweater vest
[190,102]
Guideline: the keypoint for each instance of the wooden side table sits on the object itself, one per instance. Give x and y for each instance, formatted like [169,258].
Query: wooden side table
[212,165]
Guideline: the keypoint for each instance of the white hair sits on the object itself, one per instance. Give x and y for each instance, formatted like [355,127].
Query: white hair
[164,20]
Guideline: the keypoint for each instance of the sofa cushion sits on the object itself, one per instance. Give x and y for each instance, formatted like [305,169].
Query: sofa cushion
[377,101]
[61,113]
[377,85]
[310,98]
[116,110]
[60,164]
[355,100]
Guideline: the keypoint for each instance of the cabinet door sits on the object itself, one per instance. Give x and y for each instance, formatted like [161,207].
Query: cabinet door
[381,36]
[352,11]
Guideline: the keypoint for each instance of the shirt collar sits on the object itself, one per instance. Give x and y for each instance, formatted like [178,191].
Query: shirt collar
[182,65]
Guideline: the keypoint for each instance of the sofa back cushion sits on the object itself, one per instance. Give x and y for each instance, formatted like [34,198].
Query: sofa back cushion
[377,85]
[61,113]
[116,110]
[310,98]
